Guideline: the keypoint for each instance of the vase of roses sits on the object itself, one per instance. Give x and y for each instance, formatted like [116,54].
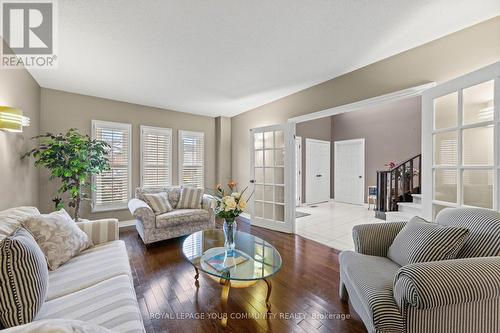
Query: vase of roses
[229,206]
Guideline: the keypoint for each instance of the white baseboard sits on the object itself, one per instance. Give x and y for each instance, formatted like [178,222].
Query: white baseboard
[245,215]
[128,223]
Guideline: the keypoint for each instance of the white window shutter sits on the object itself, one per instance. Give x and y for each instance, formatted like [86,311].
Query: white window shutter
[191,158]
[112,188]
[156,156]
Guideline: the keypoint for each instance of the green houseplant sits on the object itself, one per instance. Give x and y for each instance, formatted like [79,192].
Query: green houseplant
[73,158]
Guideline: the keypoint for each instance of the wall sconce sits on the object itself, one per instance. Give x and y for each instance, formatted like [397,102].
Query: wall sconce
[12,119]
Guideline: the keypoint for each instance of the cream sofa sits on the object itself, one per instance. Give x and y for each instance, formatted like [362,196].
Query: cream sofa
[95,287]
[176,223]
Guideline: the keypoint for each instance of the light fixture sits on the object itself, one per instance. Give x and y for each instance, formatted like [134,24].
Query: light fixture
[12,119]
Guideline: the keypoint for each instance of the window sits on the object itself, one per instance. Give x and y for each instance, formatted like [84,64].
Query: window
[191,158]
[464,147]
[156,156]
[112,188]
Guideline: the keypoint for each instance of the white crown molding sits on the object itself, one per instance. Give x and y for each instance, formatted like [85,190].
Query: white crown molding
[370,102]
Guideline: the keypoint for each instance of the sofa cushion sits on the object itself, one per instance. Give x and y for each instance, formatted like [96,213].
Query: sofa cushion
[158,202]
[422,241]
[190,198]
[483,226]
[181,216]
[111,304]
[58,236]
[11,218]
[174,193]
[92,266]
[58,326]
[369,281]
[23,278]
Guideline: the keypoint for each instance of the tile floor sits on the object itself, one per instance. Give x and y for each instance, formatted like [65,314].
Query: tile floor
[331,223]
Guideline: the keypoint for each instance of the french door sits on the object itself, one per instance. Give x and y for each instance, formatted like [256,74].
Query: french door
[272,172]
[461,142]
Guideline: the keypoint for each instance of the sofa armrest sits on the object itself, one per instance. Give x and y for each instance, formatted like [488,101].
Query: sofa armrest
[440,283]
[100,231]
[141,211]
[208,202]
[375,238]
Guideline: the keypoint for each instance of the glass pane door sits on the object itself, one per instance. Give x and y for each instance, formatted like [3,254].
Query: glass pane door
[268,171]
[465,161]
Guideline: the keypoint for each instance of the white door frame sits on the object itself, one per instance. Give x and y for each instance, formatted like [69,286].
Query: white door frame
[335,145]
[288,225]
[484,74]
[355,106]
[308,176]
[298,171]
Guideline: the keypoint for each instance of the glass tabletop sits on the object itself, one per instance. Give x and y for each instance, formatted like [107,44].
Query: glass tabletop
[252,259]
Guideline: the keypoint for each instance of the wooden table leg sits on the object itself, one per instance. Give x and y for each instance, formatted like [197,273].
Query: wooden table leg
[269,289]
[226,285]
[196,282]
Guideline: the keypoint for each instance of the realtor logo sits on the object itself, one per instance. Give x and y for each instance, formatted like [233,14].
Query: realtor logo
[28,30]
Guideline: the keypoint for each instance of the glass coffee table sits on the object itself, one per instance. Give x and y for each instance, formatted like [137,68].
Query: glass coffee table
[253,260]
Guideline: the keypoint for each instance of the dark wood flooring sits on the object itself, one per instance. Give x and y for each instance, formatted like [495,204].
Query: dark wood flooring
[304,296]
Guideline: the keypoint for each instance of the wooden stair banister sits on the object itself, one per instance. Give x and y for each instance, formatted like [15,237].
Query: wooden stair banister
[398,184]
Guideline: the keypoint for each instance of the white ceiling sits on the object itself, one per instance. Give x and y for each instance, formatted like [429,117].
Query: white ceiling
[225,57]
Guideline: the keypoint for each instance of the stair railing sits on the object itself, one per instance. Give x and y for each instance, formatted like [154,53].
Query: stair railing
[398,184]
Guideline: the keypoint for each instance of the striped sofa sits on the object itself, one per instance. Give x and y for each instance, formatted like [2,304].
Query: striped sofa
[178,222]
[94,287]
[451,296]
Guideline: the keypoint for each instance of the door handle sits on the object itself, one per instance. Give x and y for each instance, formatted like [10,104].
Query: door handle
[252,181]
[360,177]
[319,175]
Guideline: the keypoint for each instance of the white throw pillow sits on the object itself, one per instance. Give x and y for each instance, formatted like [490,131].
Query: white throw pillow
[58,236]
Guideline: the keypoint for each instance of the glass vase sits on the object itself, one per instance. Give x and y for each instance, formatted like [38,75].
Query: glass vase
[229,234]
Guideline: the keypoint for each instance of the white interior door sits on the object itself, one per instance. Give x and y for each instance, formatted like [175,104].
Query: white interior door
[298,171]
[349,173]
[317,171]
[272,168]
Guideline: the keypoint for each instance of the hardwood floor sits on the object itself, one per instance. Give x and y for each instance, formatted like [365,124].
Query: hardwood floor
[305,291]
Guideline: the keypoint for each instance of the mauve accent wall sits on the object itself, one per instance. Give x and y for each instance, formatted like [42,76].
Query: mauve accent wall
[392,132]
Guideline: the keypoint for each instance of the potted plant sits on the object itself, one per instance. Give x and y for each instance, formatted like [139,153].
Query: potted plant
[73,158]
[229,207]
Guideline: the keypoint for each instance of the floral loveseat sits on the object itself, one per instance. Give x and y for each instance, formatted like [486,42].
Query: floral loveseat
[178,222]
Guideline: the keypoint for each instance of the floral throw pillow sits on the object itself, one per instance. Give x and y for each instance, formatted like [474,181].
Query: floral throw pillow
[58,236]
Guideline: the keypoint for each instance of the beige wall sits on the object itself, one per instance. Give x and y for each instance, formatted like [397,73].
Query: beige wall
[392,132]
[319,129]
[438,61]
[223,150]
[62,110]
[18,178]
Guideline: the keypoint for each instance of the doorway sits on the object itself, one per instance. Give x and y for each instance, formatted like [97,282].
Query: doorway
[349,171]
[317,171]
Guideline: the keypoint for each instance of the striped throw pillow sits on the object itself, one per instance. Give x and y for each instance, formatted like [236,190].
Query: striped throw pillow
[422,241]
[23,278]
[158,202]
[190,198]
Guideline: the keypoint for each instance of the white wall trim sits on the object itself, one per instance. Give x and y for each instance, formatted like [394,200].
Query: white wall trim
[370,102]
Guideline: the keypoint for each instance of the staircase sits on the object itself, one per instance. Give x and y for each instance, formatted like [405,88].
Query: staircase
[398,191]
[406,210]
